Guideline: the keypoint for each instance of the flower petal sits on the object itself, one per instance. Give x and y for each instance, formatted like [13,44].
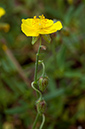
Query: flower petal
[56,26]
[28,30]
[2,12]
[27,21]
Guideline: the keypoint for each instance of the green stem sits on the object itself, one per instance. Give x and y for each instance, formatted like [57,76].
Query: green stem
[43,121]
[32,84]
[36,63]
[36,119]
[43,74]
[54,53]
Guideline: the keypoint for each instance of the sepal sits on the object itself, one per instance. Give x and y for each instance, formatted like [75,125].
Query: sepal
[43,83]
[34,40]
[41,106]
[47,38]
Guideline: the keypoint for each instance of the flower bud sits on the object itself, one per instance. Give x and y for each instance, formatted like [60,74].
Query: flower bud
[41,106]
[43,82]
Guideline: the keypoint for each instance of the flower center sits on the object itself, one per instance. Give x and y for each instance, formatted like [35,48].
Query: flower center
[40,22]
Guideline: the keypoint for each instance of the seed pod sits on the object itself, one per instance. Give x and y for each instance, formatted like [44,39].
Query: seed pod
[43,82]
[41,106]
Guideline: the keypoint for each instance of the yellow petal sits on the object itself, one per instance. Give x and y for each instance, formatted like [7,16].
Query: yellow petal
[28,30]
[2,12]
[27,21]
[55,27]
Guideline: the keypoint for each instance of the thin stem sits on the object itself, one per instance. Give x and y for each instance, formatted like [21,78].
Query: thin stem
[36,119]
[43,121]
[43,74]
[36,63]
[54,53]
[43,65]
[32,84]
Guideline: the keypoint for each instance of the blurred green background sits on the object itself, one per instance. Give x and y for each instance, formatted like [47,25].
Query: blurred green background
[64,58]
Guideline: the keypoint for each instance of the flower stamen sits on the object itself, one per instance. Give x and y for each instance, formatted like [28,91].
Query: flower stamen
[42,17]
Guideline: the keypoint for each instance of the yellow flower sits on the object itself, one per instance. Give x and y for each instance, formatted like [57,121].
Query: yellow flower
[2,12]
[70,1]
[4,26]
[35,26]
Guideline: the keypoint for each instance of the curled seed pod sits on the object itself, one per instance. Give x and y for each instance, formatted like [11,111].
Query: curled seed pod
[41,106]
[43,82]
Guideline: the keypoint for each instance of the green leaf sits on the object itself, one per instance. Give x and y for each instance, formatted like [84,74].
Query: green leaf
[52,85]
[17,110]
[54,94]
[47,38]
[34,40]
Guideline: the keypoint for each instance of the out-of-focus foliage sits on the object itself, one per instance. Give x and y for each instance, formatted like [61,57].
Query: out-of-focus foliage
[64,58]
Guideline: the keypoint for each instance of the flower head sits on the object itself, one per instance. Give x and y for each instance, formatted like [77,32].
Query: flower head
[2,12]
[4,26]
[35,26]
